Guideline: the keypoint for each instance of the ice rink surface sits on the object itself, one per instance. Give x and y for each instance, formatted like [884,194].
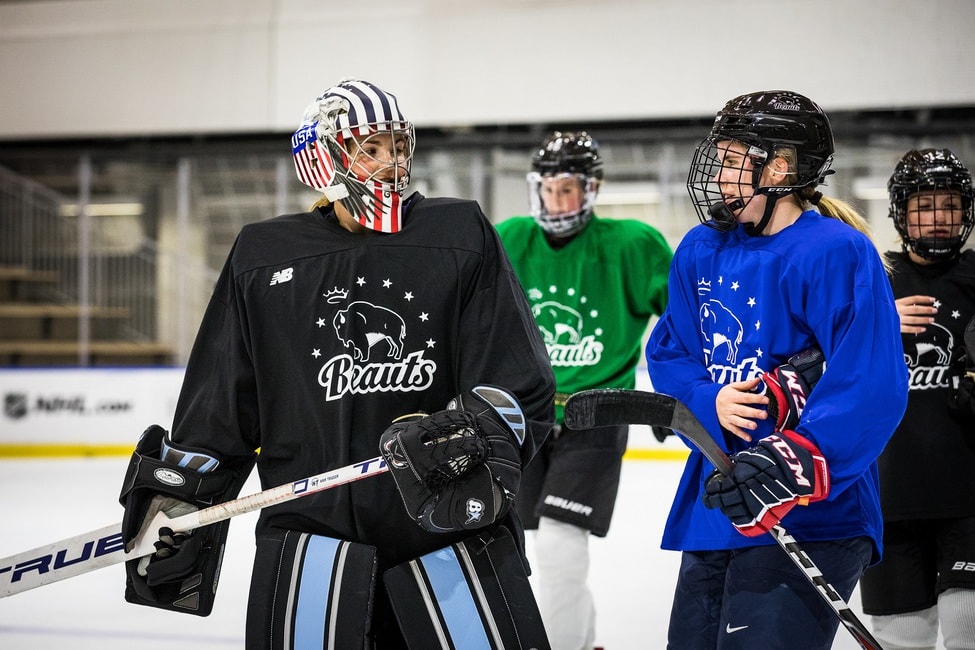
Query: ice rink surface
[43,501]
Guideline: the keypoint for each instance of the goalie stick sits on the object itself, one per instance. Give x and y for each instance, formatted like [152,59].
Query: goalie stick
[104,547]
[613,407]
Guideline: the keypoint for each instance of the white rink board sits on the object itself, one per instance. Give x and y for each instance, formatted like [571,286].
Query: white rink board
[85,406]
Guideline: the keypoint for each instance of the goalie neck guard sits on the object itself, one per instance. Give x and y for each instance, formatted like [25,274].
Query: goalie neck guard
[942,191]
[355,146]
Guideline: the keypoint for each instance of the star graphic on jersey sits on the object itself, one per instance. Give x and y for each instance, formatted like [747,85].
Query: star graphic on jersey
[320,322]
[360,281]
[387,283]
[431,343]
[751,302]
[424,317]
[316,353]
[956,314]
[408,296]
[735,285]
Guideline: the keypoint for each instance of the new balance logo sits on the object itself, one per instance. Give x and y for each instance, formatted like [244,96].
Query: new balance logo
[282,276]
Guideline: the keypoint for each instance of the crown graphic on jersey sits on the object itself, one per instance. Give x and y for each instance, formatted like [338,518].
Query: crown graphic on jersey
[703,287]
[336,295]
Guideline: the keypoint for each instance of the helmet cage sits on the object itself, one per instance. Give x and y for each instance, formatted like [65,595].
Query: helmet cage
[565,224]
[931,170]
[772,124]
[328,144]
[565,155]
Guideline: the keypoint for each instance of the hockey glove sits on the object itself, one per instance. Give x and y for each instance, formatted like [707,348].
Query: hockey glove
[767,481]
[182,574]
[458,469]
[788,387]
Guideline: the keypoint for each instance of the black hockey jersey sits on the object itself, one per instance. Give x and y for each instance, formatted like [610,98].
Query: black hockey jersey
[926,468]
[316,338]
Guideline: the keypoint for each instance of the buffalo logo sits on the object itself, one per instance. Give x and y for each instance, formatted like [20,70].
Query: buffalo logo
[15,405]
[937,340]
[721,328]
[558,323]
[362,325]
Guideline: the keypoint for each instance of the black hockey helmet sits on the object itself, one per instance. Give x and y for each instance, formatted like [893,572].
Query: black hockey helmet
[772,123]
[566,155]
[931,170]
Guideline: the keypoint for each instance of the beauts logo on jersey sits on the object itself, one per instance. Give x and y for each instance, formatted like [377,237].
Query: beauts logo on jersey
[376,335]
[929,354]
[723,331]
[563,326]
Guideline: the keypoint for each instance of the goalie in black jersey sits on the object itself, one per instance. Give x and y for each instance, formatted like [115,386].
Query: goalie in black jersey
[927,487]
[324,328]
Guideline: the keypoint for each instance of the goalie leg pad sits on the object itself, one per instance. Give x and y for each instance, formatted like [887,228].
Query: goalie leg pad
[310,591]
[474,593]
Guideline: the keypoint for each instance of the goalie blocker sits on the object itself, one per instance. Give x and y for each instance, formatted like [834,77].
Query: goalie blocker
[182,574]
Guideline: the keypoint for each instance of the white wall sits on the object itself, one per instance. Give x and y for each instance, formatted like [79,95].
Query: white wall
[114,67]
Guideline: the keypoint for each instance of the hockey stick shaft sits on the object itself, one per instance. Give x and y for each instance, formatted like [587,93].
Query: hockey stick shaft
[614,407]
[104,547]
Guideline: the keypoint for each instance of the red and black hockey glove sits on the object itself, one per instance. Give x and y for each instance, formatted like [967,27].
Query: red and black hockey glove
[788,387]
[767,481]
[458,469]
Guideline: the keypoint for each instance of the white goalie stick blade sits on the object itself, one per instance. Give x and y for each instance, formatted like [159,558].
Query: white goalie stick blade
[613,407]
[103,547]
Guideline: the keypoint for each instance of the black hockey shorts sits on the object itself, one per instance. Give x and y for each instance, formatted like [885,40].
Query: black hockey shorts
[574,478]
[922,559]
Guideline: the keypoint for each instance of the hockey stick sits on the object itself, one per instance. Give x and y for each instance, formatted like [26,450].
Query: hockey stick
[104,547]
[969,338]
[613,407]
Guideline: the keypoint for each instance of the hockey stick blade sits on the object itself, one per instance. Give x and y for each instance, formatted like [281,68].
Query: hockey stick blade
[609,407]
[614,407]
[104,547]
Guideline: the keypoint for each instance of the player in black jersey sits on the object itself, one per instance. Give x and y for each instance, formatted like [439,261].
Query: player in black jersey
[324,328]
[927,486]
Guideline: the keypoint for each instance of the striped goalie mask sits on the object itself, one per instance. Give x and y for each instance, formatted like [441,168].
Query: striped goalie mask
[355,146]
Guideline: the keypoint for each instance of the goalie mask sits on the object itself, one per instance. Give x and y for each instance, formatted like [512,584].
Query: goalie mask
[767,125]
[355,146]
[563,183]
[931,196]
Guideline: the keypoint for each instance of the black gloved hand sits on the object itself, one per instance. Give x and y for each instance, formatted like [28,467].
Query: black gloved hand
[767,481]
[458,469]
[788,387]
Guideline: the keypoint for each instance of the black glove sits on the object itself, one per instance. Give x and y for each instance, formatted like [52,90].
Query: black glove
[788,387]
[182,574]
[767,481]
[458,469]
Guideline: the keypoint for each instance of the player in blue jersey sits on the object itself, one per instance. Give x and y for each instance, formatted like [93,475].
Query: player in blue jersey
[774,269]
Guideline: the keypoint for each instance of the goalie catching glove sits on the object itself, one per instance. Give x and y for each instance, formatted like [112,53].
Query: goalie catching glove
[788,386]
[458,469]
[182,574]
[767,481]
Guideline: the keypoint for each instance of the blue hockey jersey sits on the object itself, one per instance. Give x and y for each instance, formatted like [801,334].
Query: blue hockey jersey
[740,305]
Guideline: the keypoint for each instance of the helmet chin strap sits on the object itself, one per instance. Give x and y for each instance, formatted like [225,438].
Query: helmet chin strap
[755,229]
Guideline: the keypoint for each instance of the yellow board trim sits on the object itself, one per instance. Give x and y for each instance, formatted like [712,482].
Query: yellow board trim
[64,451]
[656,454]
